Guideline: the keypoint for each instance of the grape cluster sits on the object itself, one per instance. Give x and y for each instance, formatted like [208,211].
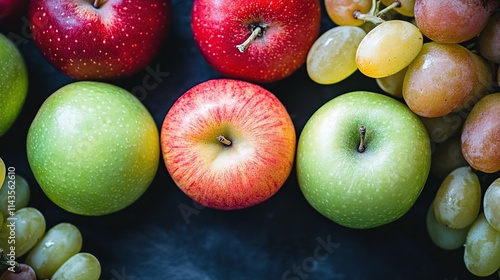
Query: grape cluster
[52,254]
[455,220]
[439,58]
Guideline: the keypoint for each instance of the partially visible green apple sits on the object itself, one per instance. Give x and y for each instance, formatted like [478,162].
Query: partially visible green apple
[13,83]
[363,188]
[2,172]
[93,148]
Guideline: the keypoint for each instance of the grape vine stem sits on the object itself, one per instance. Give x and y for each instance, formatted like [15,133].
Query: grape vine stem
[374,15]
[4,260]
[395,4]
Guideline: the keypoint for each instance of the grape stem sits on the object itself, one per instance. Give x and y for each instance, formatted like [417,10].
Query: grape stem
[395,4]
[367,17]
[374,8]
[374,15]
[257,31]
[224,140]
[4,260]
[362,135]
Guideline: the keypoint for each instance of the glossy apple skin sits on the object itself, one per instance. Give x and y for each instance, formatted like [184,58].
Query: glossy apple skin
[481,135]
[13,83]
[93,148]
[244,174]
[372,188]
[291,28]
[113,41]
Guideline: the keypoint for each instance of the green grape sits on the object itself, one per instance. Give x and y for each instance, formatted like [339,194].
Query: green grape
[393,84]
[60,243]
[22,231]
[388,48]
[82,266]
[482,248]
[458,199]
[444,237]
[14,194]
[331,58]
[491,204]
[2,172]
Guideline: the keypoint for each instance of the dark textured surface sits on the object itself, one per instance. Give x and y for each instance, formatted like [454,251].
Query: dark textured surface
[165,236]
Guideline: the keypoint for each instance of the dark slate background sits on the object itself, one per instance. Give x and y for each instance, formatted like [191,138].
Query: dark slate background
[164,235]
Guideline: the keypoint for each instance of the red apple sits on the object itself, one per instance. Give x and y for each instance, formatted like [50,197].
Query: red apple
[228,144]
[99,39]
[279,35]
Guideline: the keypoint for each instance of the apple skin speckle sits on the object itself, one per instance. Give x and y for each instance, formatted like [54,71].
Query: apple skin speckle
[113,41]
[93,148]
[291,27]
[327,157]
[263,142]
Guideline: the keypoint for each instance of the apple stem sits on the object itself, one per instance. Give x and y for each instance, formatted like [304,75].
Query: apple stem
[4,260]
[98,3]
[257,31]
[362,134]
[224,140]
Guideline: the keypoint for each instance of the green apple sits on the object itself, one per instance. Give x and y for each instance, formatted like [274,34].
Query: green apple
[93,148]
[13,83]
[363,159]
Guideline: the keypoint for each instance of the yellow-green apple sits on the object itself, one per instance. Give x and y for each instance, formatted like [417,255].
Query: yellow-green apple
[13,83]
[228,144]
[93,148]
[2,172]
[363,159]
[99,39]
[259,41]
[480,136]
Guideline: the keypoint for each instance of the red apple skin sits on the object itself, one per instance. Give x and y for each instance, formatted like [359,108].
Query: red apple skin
[113,41]
[292,27]
[252,168]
